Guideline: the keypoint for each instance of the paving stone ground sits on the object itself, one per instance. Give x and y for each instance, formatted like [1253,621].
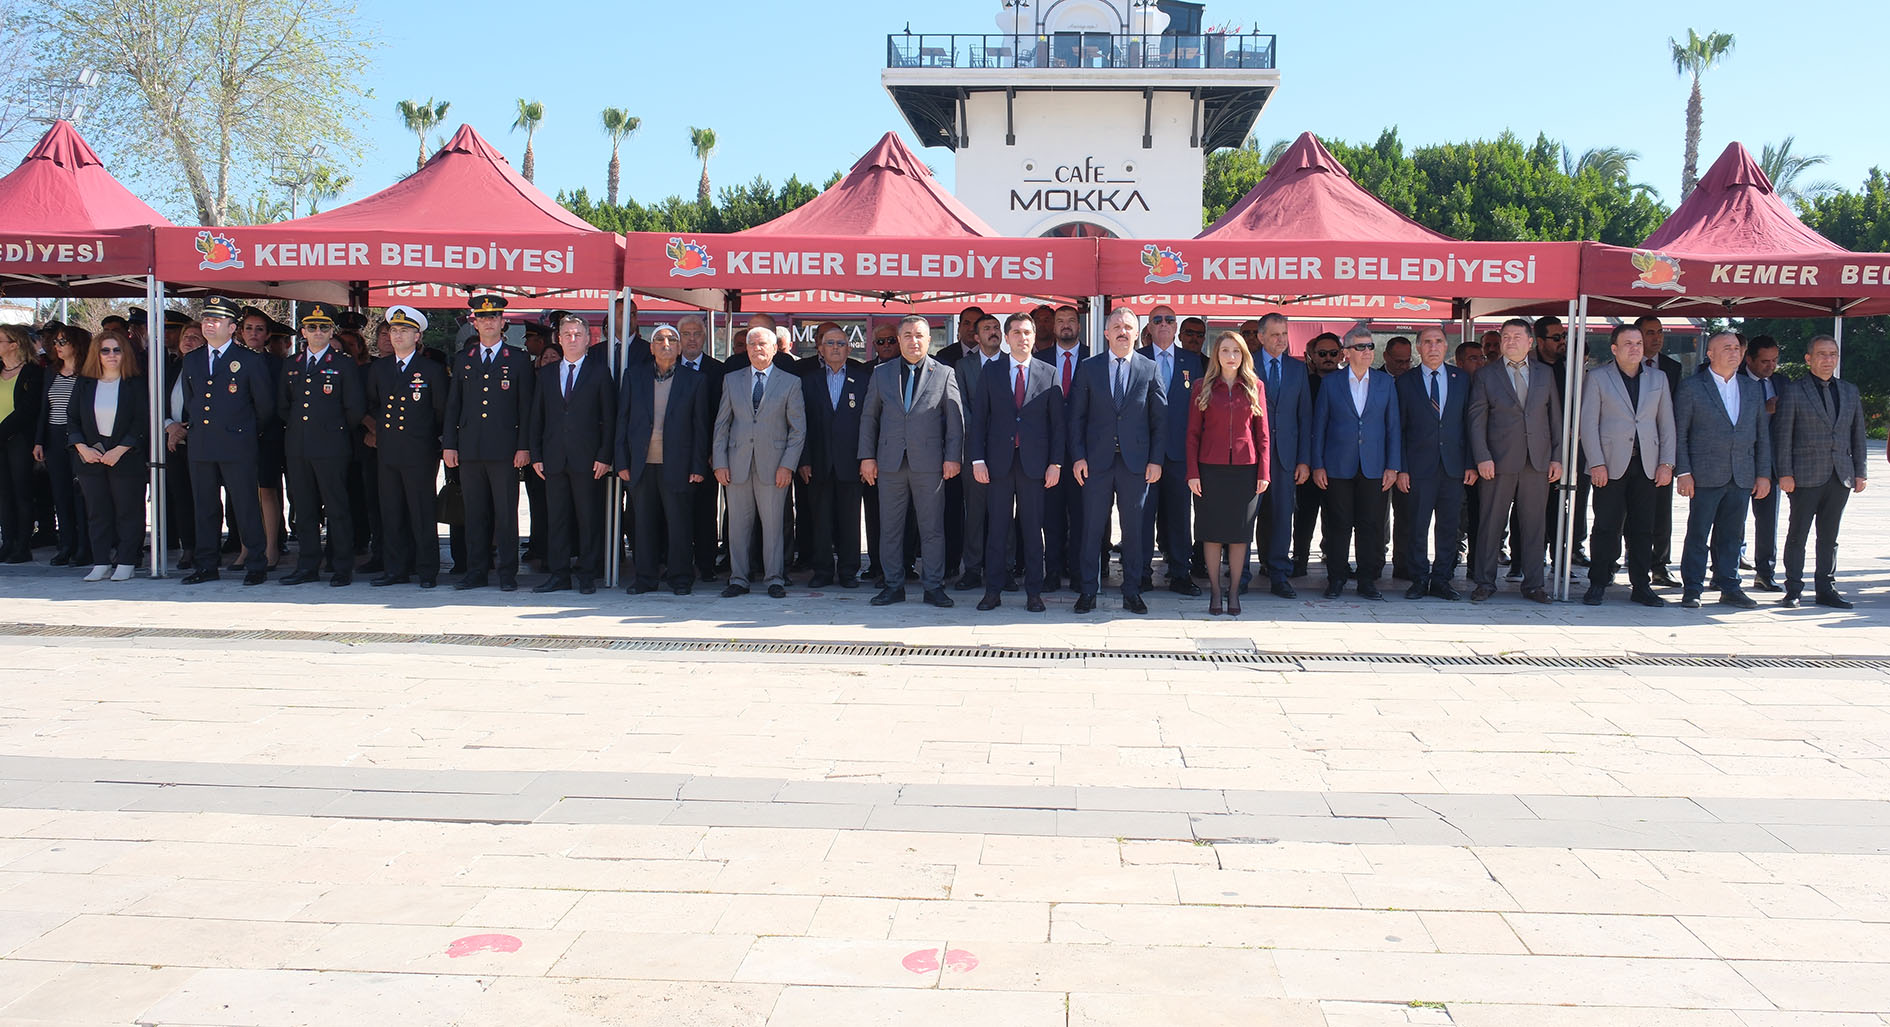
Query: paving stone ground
[251,831]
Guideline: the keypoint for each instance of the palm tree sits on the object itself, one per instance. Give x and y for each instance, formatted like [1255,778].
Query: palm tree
[1693,58]
[326,185]
[422,117]
[618,125]
[1269,155]
[702,141]
[1783,168]
[530,114]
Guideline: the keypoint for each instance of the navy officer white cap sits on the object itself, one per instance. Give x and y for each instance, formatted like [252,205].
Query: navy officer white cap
[405,315]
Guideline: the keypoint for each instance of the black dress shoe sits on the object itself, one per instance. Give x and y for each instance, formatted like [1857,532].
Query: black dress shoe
[508,584]
[1766,585]
[969,582]
[1737,598]
[1334,589]
[938,598]
[1537,595]
[849,582]
[777,591]
[1689,601]
[1370,592]
[424,582]
[1134,604]
[1663,578]
[470,582]
[1183,587]
[1285,590]
[1442,590]
[553,584]
[200,576]
[587,587]
[255,578]
[298,578]
[991,601]
[733,591]
[1482,593]
[1789,602]
[341,581]
[890,595]
[1086,602]
[183,562]
[820,581]
[1646,597]
[1416,591]
[1833,600]
[681,590]
[388,579]
[1594,595]
[61,560]
[638,588]
[1034,604]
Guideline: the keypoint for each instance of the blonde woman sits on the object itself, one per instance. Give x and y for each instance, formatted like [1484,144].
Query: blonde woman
[110,411]
[1227,462]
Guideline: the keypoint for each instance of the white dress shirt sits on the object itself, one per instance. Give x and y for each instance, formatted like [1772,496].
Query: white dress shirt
[1361,389]
[1728,393]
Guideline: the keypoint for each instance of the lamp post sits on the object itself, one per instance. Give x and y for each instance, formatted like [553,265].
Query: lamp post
[294,171]
[63,99]
[1012,18]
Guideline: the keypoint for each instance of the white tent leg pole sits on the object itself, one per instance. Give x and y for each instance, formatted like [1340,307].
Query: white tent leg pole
[613,510]
[1558,567]
[1837,335]
[155,506]
[1575,360]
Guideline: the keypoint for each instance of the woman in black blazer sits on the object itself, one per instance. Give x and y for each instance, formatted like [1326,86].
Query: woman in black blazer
[67,349]
[22,388]
[110,414]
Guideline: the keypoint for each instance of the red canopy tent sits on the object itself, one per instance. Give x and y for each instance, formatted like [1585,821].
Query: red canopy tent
[465,218]
[886,231]
[68,228]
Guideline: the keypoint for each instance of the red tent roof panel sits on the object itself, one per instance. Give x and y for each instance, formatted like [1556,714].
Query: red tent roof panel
[63,187]
[1308,196]
[1732,211]
[889,191]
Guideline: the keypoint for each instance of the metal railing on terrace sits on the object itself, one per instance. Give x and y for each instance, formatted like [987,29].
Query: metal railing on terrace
[1081,50]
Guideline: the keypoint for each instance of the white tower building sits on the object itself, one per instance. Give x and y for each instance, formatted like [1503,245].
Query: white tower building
[1084,117]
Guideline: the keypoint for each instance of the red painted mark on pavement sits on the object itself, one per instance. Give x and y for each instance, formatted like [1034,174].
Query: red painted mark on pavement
[925,961]
[482,943]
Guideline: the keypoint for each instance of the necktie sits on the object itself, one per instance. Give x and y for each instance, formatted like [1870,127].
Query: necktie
[1017,396]
[1069,371]
[570,375]
[1825,397]
[311,363]
[488,357]
[1437,403]
[912,378]
[1273,375]
[1117,388]
[210,361]
[1519,378]
[1167,366]
[761,381]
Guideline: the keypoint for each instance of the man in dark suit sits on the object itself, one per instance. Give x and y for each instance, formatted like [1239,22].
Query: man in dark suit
[406,396]
[662,455]
[1289,426]
[1170,506]
[912,440]
[1723,459]
[1357,450]
[1324,353]
[488,411]
[1015,440]
[964,338]
[965,494]
[1063,503]
[1761,362]
[834,392]
[1515,436]
[1819,450]
[1627,440]
[322,401]
[572,439]
[704,496]
[1118,424]
[1653,338]
[1432,400]
[228,397]
[180,513]
[885,351]
[1552,351]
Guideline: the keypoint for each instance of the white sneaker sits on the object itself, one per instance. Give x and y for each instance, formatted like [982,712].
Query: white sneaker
[99,572]
[122,572]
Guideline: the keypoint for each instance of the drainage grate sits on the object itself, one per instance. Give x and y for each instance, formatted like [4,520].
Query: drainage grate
[899,651]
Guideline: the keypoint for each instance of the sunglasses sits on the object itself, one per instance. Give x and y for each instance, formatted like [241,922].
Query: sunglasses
[1325,353]
[1362,346]
[108,352]
[1162,319]
[1556,338]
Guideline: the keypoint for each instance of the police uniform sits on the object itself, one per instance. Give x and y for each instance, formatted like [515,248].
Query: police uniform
[408,405]
[321,401]
[487,413]
[228,399]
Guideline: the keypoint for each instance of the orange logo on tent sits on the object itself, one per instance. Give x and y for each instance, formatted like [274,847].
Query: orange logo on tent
[1164,265]
[1658,271]
[219,252]
[1412,303]
[688,259]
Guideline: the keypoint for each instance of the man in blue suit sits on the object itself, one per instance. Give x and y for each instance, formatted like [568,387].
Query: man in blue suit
[1722,461]
[1169,502]
[1063,506]
[1357,449]
[1289,424]
[228,396]
[1118,428]
[1432,398]
[1015,441]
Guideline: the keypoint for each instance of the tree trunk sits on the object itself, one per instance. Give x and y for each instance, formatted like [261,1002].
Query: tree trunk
[611,185]
[421,161]
[702,187]
[1690,171]
[526,168]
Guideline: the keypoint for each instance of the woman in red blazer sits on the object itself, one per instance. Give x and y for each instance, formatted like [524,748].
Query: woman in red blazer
[1227,462]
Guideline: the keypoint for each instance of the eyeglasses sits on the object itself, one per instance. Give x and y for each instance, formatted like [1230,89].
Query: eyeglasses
[1361,346]
[1162,319]
[1556,338]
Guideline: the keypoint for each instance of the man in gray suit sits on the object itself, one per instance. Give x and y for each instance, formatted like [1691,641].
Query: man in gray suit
[1627,438]
[1722,460]
[1818,444]
[760,428]
[1515,438]
[912,439]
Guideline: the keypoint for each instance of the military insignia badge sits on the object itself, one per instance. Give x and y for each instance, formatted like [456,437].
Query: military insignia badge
[235,365]
[232,388]
[328,388]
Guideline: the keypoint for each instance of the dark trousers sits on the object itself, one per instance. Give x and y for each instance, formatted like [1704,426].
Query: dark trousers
[574,504]
[704,496]
[114,504]
[1025,494]
[1765,536]
[237,478]
[954,527]
[971,549]
[68,501]
[1170,507]
[925,496]
[410,519]
[1822,505]
[1063,529]
[1308,504]
[1524,492]
[835,523]
[16,492]
[1355,509]
[1435,500]
[540,515]
[1624,504]
[1663,528]
[1577,482]
[320,487]
[1272,550]
[665,531]
[490,488]
[364,503]
[180,512]
[1716,524]
[1403,527]
[1127,488]
[800,517]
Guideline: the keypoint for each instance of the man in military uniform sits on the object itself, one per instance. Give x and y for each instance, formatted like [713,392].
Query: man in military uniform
[487,411]
[228,397]
[406,397]
[321,402]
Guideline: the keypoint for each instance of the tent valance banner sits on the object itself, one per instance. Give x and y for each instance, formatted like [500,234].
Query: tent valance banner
[287,252]
[1494,270]
[872,265]
[1737,285]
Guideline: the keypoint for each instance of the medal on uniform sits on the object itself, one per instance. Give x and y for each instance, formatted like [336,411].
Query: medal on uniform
[505,383]
[232,387]
[416,397]
[327,389]
[850,403]
[1184,379]
[235,365]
